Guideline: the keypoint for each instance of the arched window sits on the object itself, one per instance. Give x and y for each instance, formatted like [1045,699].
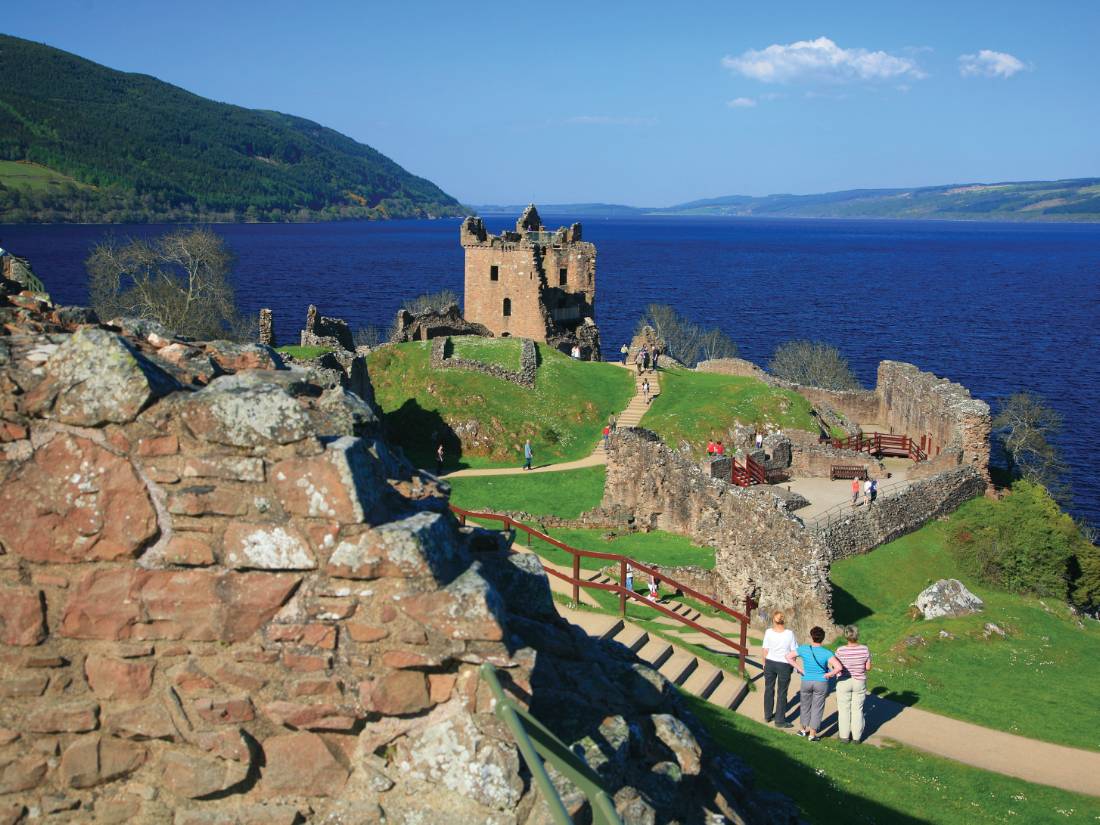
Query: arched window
[507,307]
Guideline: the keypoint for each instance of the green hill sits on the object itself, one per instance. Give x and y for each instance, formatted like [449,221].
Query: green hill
[1060,200]
[147,150]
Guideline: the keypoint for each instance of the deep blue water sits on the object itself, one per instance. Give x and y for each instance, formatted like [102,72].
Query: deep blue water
[998,307]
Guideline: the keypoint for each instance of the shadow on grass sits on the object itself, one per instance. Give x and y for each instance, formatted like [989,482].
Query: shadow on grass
[418,432]
[847,608]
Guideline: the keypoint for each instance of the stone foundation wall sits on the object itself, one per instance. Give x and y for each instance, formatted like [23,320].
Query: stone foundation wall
[865,528]
[322,331]
[761,550]
[524,377]
[815,460]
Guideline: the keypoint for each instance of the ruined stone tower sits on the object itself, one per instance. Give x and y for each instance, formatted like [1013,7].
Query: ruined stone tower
[532,283]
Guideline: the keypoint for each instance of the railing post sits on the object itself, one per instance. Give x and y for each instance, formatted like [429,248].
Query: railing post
[622,583]
[576,579]
[744,638]
[462,519]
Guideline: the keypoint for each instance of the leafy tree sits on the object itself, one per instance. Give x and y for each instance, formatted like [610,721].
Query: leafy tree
[180,280]
[1023,427]
[814,364]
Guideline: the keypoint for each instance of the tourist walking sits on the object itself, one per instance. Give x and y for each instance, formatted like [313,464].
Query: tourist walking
[624,351]
[818,666]
[654,585]
[851,686]
[606,435]
[778,642]
[759,440]
[719,449]
[710,449]
[645,356]
[638,360]
[613,422]
[630,578]
[439,459]
[867,491]
[874,489]
[528,454]
[855,492]
[645,390]
[656,355]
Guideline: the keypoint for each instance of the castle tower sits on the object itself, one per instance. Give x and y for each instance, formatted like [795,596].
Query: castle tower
[532,283]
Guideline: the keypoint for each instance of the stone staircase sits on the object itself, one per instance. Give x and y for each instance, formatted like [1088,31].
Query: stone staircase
[632,415]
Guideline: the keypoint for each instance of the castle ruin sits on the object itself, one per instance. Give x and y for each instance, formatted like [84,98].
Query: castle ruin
[532,283]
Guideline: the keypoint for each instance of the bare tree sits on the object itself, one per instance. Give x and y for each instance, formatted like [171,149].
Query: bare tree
[368,336]
[180,280]
[1024,426]
[813,363]
[683,339]
[435,301]
[716,344]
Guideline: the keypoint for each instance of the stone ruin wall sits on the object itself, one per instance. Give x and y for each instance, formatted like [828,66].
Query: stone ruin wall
[222,600]
[760,549]
[524,377]
[433,323]
[862,529]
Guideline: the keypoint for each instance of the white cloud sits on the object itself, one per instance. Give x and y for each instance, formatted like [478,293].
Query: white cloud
[610,120]
[820,60]
[988,63]
[741,103]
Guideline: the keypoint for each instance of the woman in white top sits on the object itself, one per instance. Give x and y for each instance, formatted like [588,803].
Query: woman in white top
[778,642]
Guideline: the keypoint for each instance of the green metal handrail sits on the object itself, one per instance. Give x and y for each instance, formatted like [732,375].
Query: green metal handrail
[538,746]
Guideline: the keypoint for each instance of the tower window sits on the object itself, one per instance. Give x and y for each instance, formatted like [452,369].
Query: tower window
[507,307]
[563,277]
[494,273]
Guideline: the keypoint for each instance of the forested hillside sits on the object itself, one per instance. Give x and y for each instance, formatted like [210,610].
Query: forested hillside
[129,147]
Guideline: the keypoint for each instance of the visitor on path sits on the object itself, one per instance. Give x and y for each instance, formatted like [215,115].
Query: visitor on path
[630,578]
[654,588]
[719,449]
[867,491]
[645,390]
[759,440]
[439,459]
[855,492]
[606,435]
[614,422]
[819,665]
[851,687]
[624,351]
[656,355]
[645,357]
[528,454]
[575,353]
[874,489]
[638,361]
[710,449]
[778,642]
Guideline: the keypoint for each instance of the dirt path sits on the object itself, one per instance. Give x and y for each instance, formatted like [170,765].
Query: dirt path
[629,417]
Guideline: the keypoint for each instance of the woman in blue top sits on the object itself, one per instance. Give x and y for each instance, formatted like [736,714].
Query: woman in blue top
[819,665]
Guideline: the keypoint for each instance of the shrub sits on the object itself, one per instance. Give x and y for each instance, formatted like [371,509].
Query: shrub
[814,364]
[1024,428]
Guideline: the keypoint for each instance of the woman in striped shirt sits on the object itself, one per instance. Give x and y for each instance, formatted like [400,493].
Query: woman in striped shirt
[851,688]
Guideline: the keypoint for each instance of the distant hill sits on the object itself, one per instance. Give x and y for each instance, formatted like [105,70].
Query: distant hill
[112,146]
[579,210]
[1062,200]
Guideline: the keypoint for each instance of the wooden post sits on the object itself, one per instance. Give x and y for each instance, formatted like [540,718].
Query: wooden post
[576,579]
[744,642]
[622,583]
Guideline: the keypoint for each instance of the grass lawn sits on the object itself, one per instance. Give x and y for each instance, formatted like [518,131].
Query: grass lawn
[832,782]
[563,415]
[503,352]
[304,353]
[1042,680]
[32,176]
[566,494]
[698,406]
[657,547]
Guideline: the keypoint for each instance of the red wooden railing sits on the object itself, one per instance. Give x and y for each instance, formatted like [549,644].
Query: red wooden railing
[901,446]
[751,472]
[739,648]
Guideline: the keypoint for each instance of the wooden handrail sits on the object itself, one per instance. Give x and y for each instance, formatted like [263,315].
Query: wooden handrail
[741,647]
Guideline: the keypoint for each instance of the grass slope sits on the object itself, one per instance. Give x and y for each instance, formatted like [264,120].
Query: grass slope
[155,150]
[1042,680]
[698,406]
[31,176]
[563,415]
[504,352]
[304,353]
[566,494]
[832,782]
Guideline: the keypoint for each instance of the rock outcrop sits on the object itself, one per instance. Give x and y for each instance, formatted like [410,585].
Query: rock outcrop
[224,600]
[947,597]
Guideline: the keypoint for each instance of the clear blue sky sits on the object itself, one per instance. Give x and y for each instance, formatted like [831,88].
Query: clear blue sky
[640,103]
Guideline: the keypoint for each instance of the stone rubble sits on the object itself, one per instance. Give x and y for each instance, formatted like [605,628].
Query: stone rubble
[224,599]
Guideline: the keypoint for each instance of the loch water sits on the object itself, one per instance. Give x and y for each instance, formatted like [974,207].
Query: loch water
[998,307]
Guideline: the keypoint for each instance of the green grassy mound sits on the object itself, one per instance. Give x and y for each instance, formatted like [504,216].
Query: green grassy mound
[31,176]
[1042,679]
[834,782]
[563,415]
[566,494]
[698,406]
[504,352]
[303,353]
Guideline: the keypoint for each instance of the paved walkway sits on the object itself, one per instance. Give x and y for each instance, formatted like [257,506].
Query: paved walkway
[630,417]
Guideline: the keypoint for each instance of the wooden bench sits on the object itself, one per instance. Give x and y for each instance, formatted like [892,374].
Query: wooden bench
[847,471]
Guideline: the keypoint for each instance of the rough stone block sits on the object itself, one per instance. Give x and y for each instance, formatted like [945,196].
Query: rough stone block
[93,760]
[118,679]
[420,545]
[241,415]
[467,608]
[343,483]
[194,776]
[76,717]
[401,693]
[301,764]
[267,547]
[22,616]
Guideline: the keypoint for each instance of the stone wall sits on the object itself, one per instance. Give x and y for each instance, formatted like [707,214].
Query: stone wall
[732,366]
[433,323]
[761,550]
[267,328]
[862,529]
[322,331]
[525,377]
[224,600]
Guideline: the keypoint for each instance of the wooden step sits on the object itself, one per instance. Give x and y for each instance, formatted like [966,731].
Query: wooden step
[656,652]
[704,680]
[679,667]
